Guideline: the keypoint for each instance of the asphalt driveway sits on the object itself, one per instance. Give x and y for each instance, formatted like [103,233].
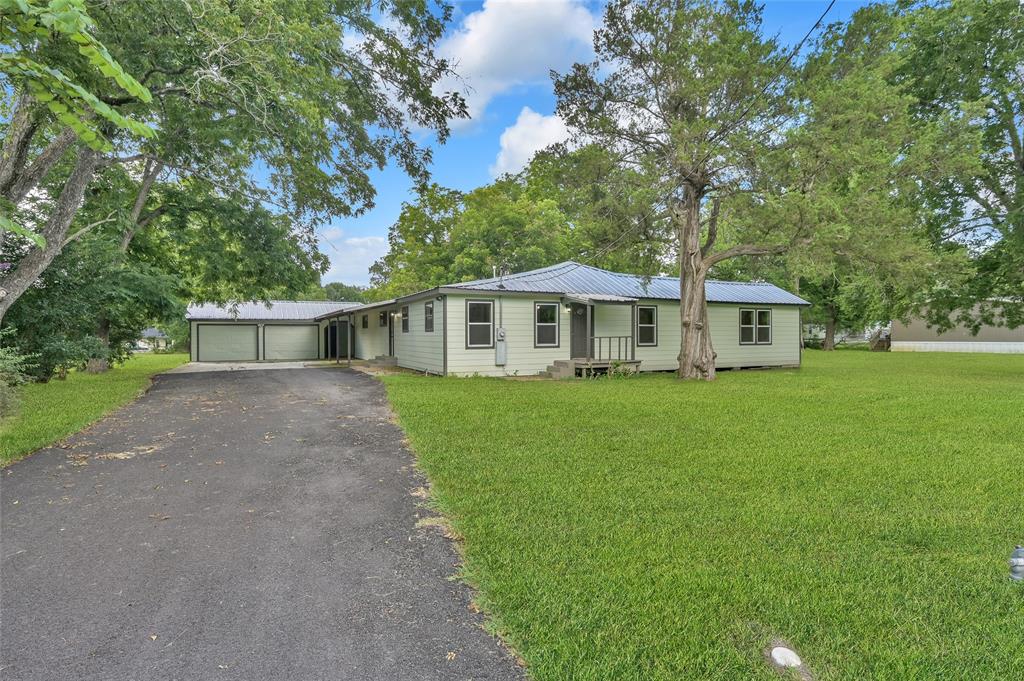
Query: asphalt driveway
[234,525]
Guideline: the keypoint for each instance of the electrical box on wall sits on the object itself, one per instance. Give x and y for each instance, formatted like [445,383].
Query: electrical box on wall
[500,352]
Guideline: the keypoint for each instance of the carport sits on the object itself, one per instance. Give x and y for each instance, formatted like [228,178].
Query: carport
[277,330]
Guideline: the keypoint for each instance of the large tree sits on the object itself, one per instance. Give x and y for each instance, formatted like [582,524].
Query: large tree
[287,103]
[972,51]
[689,94]
[751,154]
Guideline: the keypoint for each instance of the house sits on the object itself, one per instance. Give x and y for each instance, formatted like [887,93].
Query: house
[275,330]
[555,319]
[917,336]
[569,316]
[153,338]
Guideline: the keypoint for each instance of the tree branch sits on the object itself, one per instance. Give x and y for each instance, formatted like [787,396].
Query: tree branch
[83,230]
[738,251]
[40,166]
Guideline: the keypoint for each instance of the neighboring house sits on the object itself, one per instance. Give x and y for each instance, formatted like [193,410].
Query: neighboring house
[153,339]
[573,314]
[278,330]
[916,336]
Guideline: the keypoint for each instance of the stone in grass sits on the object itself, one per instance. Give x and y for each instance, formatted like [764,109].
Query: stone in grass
[786,660]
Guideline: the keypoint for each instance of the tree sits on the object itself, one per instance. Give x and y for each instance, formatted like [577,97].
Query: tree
[446,236]
[308,96]
[860,164]
[690,96]
[971,51]
[336,290]
[751,155]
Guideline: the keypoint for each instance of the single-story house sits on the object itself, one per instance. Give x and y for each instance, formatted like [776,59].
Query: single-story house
[916,336]
[153,338]
[278,330]
[567,315]
[572,315]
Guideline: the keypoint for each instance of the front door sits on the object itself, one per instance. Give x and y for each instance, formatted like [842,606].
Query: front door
[579,334]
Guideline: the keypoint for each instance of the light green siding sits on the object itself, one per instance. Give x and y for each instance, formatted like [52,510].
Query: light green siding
[784,349]
[417,348]
[227,333]
[515,315]
[372,341]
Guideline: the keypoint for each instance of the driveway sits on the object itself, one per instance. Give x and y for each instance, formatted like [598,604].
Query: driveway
[234,525]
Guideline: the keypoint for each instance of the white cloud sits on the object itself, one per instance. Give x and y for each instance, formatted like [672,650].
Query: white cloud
[351,258]
[509,43]
[529,134]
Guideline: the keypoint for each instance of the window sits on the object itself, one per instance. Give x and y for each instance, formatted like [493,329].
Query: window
[405,319]
[647,325]
[366,321]
[755,327]
[479,324]
[428,316]
[382,318]
[545,325]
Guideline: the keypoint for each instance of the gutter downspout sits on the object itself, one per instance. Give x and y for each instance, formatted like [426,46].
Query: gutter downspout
[349,340]
[444,334]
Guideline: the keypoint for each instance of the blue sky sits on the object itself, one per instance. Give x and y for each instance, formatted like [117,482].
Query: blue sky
[505,49]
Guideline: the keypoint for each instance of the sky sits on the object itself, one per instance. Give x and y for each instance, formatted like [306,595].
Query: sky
[504,51]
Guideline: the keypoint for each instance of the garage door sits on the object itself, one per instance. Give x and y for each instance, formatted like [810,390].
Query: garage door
[226,342]
[286,341]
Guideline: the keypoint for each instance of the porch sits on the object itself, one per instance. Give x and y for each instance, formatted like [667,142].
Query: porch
[602,331]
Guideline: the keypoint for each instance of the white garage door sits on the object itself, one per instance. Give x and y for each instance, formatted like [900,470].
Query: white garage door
[286,341]
[227,342]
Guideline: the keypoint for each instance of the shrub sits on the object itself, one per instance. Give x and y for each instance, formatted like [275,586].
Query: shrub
[14,371]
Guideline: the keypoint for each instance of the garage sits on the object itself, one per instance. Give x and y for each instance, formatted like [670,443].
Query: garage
[291,341]
[227,342]
[272,331]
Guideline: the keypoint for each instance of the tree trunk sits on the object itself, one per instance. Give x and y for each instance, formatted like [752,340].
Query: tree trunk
[830,331]
[696,354]
[66,205]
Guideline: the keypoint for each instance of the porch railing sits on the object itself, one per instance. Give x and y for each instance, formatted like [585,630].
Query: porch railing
[611,348]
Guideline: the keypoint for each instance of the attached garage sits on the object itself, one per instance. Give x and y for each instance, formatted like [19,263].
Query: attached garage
[226,342]
[291,341]
[278,331]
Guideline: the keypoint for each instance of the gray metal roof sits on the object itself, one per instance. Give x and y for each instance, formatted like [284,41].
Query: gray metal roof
[575,278]
[305,310]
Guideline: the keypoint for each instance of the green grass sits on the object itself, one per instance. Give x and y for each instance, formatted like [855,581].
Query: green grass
[51,411]
[862,508]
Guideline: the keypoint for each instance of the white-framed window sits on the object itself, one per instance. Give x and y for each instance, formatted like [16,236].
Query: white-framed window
[647,325]
[479,324]
[755,327]
[545,325]
[428,316]
[382,318]
[366,321]
[405,319]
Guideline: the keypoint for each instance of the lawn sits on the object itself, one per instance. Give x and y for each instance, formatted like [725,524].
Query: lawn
[862,509]
[51,411]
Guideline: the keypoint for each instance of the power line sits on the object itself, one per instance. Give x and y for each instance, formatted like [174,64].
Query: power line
[721,133]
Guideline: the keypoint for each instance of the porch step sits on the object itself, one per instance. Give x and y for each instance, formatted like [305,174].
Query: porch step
[385,361]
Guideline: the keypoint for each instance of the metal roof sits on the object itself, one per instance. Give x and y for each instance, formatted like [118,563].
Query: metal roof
[359,307]
[575,278]
[274,310]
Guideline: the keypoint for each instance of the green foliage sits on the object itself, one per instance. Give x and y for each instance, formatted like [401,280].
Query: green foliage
[14,371]
[559,207]
[647,529]
[345,292]
[59,319]
[54,410]
[48,38]
[968,55]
